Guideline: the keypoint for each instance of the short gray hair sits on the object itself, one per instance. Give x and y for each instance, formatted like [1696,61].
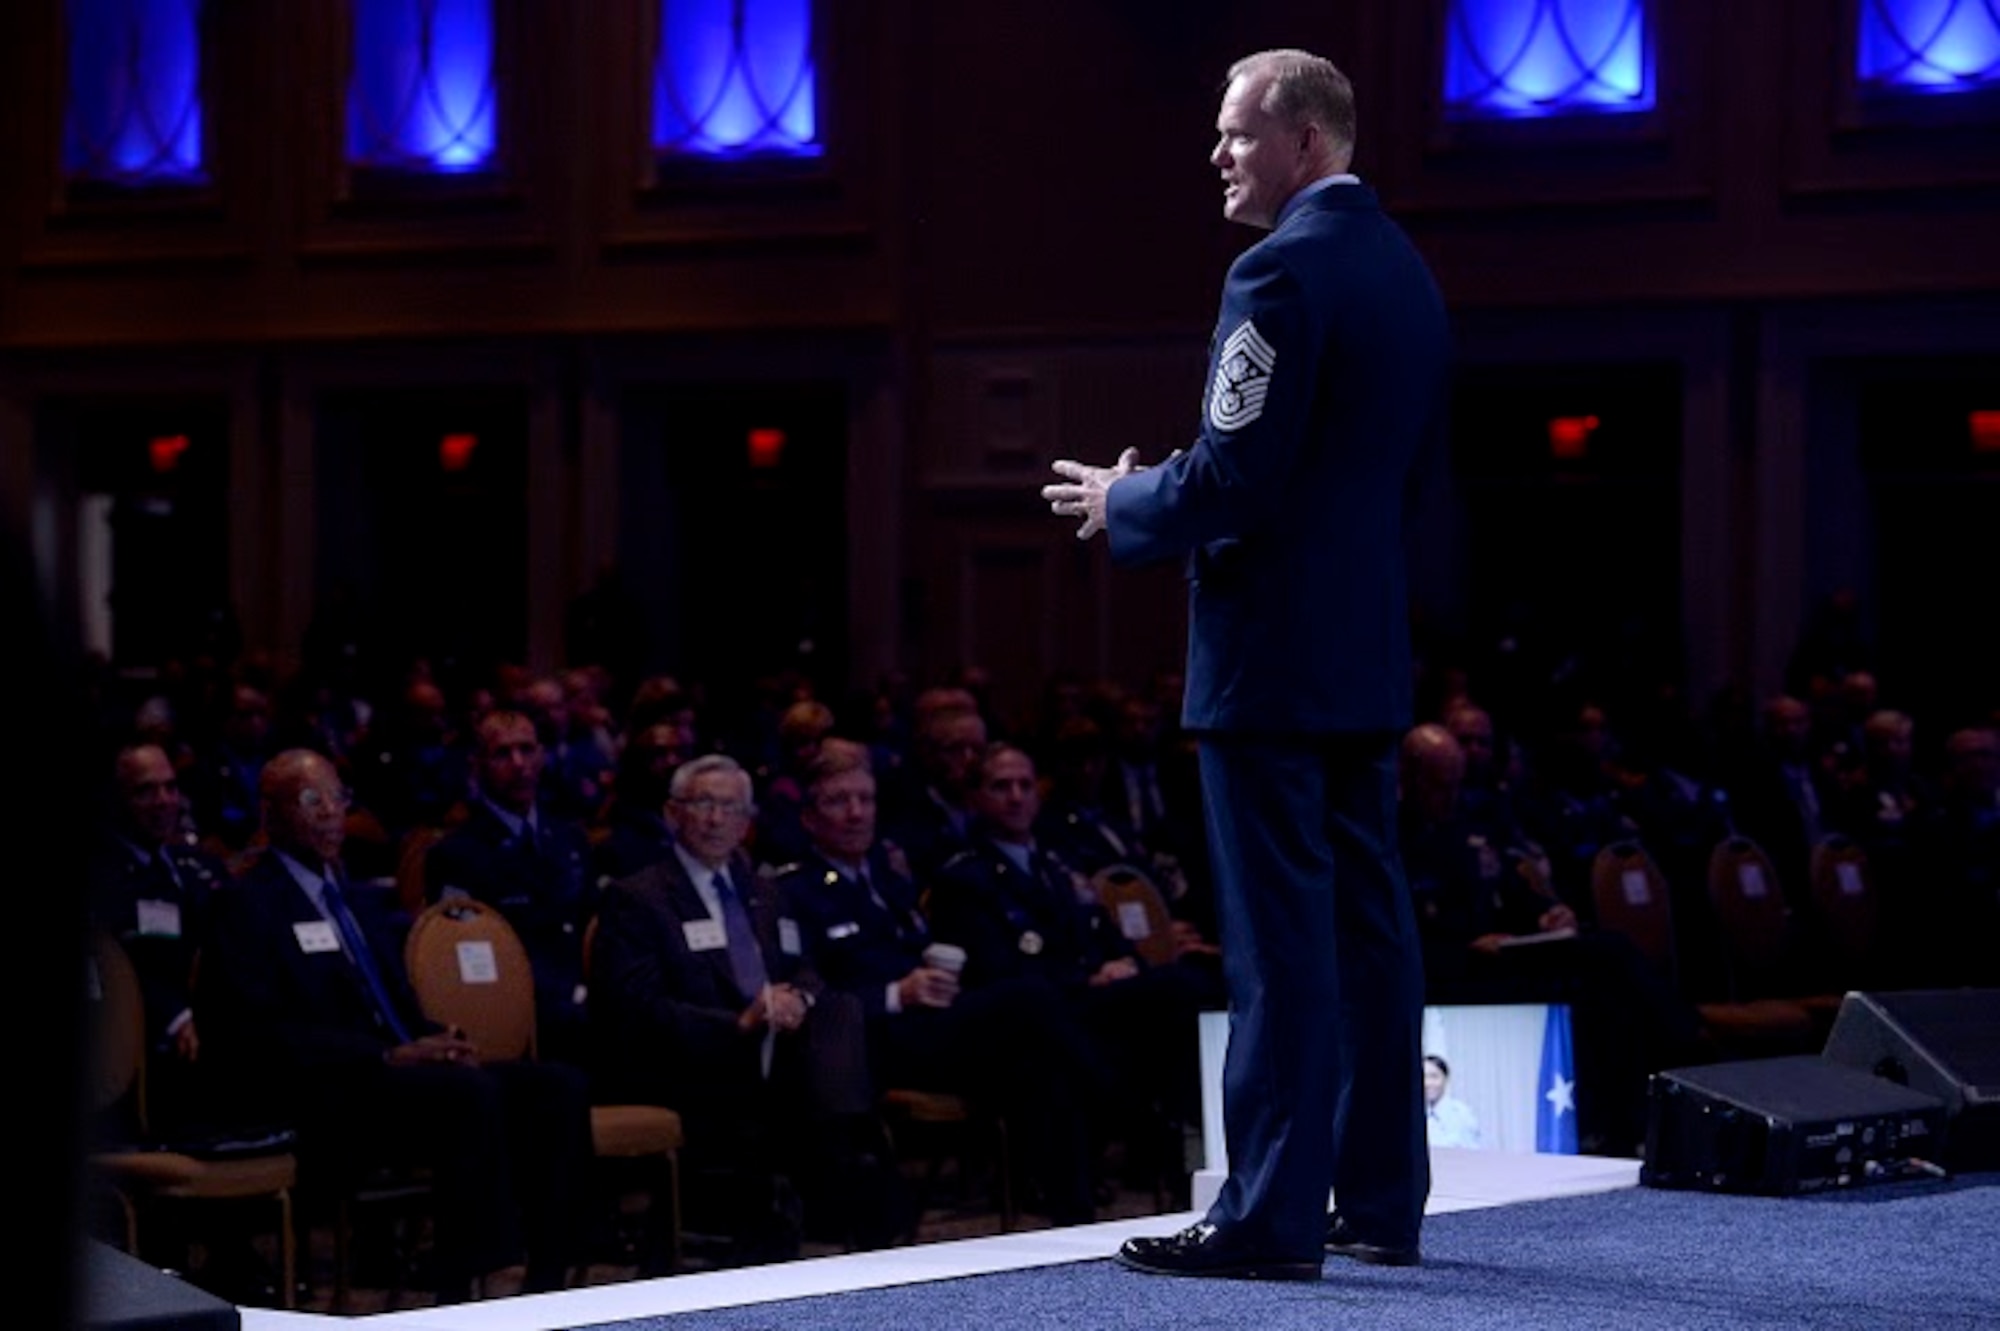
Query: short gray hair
[695,768]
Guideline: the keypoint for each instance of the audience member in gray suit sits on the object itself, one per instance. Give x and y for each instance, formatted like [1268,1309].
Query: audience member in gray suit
[702,999]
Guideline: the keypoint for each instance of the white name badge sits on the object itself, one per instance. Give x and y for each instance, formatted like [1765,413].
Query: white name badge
[476,964]
[160,919]
[316,936]
[845,929]
[704,935]
[788,936]
[1133,922]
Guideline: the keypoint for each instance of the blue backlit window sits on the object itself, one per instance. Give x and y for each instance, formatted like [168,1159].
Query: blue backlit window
[1929,46]
[735,78]
[1520,59]
[134,94]
[421,96]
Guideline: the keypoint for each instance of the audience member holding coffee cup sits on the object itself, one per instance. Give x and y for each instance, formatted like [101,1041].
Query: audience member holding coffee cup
[1014,1046]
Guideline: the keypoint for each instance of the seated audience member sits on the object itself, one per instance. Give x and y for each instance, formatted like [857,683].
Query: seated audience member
[1574,809]
[635,831]
[928,813]
[413,770]
[1152,792]
[703,999]
[778,838]
[1467,879]
[531,864]
[1018,910]
[1448,1120]
[1782,798]
[1487,794]
[1012,1044]
[575,764]
[1074,826]
[151,889]
[1882,797]
[1945,928]
[1490,936]
[306,1007]
[222,781]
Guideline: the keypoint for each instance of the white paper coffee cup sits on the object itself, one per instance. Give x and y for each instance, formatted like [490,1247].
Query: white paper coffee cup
[945,957]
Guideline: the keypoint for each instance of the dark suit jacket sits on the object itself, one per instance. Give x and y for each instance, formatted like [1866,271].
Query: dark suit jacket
[634,838]
[164,960]
[278,1017]
[664,1015]
[1326,369]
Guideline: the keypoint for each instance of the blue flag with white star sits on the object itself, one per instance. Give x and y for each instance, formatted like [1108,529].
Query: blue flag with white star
[1555,1108]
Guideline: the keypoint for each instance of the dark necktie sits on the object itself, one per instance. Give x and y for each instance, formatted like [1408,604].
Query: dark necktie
[363,957]
[881,902]
[745,961]
[160,877]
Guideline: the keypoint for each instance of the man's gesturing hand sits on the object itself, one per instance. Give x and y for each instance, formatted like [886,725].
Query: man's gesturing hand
[1085,499]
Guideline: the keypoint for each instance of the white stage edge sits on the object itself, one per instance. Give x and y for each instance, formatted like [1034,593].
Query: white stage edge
[1461,1180]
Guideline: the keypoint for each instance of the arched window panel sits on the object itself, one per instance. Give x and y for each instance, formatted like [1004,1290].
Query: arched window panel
[1928,46]
[1529,59]
[421,98]
[735,79]
[133,112]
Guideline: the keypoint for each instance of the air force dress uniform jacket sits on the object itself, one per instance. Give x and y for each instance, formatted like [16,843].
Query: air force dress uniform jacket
[1324,372]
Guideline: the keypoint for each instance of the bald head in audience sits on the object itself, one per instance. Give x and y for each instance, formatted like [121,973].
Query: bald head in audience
[1432,771]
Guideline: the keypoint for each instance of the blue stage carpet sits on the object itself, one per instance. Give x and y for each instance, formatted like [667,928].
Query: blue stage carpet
[1918,1255]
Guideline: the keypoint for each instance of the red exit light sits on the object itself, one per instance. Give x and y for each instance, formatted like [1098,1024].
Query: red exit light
[1985,428]
[165,451]
[1569,436]
[455,451]
[767,448]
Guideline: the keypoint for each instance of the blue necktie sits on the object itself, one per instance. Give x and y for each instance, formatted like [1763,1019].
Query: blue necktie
[745,961]
[362,956]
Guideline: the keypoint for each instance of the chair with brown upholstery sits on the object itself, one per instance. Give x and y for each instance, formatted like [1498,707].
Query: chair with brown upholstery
[1629,896]
[1756,922]
[143,1172]
[938,1126]
[470,970]
[1136,904]
[411,892]
[1630,893]
[1849,910]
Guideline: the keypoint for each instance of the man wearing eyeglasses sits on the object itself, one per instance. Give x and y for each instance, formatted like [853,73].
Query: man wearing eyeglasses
[306,1006]
[516,854]
[701,1000]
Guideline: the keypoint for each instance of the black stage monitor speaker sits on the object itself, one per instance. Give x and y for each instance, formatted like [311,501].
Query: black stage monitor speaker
[1943,1042]
[122,1293]
[1783,1126]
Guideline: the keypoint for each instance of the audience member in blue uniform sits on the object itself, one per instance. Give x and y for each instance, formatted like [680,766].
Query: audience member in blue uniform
[1012,1044]
[515,854]
[1018,910]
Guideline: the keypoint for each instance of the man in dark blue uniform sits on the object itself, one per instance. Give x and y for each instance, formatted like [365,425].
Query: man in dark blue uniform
[1327,374]
[1012,1043]
[518,855]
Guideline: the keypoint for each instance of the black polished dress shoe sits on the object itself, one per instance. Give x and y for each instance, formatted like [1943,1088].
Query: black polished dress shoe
[1342,1241]
[1202,1250]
